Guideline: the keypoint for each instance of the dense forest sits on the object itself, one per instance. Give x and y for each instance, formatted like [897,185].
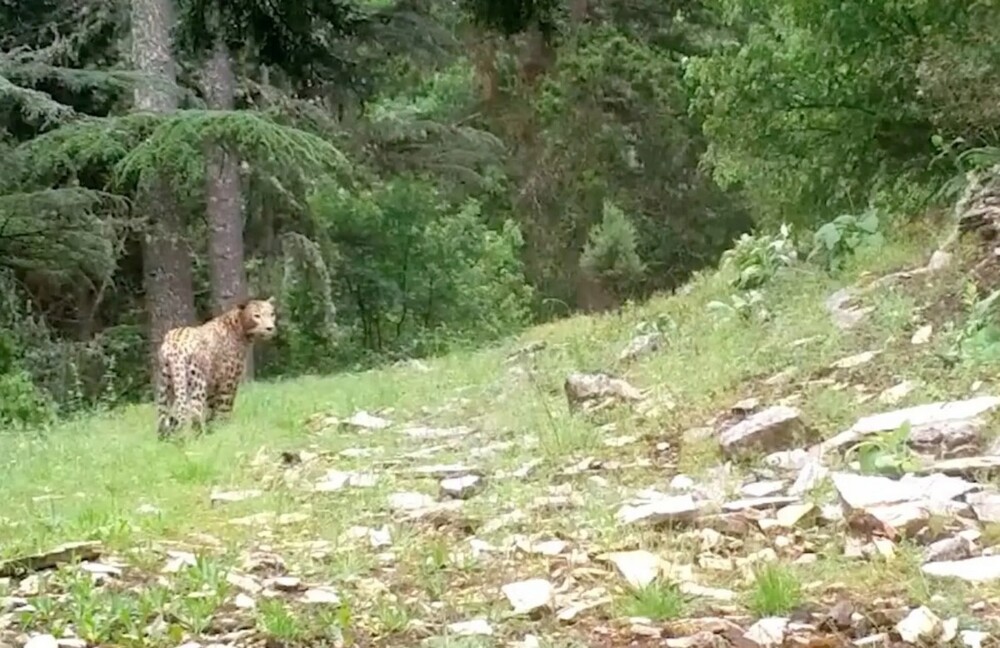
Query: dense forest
[411,176]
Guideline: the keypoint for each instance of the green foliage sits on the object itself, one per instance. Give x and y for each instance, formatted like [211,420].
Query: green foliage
[819,105]
[886,454]
[836,241]
[610,254]
[416,275]
[977,341]
[776,591]
[757,258]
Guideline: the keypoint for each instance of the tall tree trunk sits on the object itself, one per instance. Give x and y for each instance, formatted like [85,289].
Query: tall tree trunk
[224,197]
[166,257]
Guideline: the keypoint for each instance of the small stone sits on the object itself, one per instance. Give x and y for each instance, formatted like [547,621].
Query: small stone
[978,569]
[529,595]
[767,430]
[896,393]
[244,602]
[234,496]
[287,583]
[920,625]
[410,501]
[638,568]
[367,421]
[472,627]
[321,596]
[855,360]
[674,508]
[954,548]
[681,483]
[769,632]
[462,487]
[42,641]
[922,335]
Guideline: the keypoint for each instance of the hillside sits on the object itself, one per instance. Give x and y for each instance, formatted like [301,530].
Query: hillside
[318,516]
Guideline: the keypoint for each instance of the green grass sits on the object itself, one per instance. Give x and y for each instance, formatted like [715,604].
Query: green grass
[107,478]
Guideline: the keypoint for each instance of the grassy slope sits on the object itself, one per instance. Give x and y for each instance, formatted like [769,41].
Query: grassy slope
[88,478]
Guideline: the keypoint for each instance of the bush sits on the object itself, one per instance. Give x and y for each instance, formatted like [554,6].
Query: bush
[414,275]
[611,255]
[757,258]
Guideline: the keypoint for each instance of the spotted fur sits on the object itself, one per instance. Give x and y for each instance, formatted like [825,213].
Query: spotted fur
[201,366]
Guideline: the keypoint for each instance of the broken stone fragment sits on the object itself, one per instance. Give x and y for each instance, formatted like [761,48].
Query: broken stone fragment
[954,548]
[462,487]
[365,421]
[986,506]
[321,596]
[922,626]
[676,508]
[922,335]
[594,391]
[638,568]
[234,496]
[42,641]
[771,429]
[758,503]
[64,553]
[929,414]
[473,627]
[529,595]
[863,491]
[769,632]
[855,360]
[978,569]
[948,439]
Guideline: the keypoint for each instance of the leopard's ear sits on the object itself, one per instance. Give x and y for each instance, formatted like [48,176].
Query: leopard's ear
[270,300]
[241,304]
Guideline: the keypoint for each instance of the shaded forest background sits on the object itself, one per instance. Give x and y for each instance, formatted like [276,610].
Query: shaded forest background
[412,176]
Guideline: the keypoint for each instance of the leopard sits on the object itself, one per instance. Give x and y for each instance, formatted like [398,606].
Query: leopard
[201,367]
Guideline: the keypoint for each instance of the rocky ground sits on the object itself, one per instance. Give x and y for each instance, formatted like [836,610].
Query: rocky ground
[828,484]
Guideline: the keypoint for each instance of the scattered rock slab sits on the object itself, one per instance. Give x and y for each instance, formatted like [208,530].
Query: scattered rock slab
[768,430]
[855,360]
[638,568]
[922,335]
[673,508]
[896,393]
[768,632]
[462,487]
[421,432]
[42,641]
[759,503]
[844,316]
[62,554]
[922,626]
[321,596]
[529,595]
[973,570]
[961,466]
[865,491]
[929,414]
[590,392]
[986,506]
[366,421]
[218,497]
[949,549]
[472,627]
[410,501]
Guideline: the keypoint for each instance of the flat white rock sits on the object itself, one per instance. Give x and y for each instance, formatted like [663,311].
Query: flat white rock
[471,627]
[638,568]
[978,569]
[529,595]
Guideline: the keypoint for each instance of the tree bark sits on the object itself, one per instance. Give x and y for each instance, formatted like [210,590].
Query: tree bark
[224,197]
[166,257]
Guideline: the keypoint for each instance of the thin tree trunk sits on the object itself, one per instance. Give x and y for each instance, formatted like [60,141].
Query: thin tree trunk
[166,257]
[225,209]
